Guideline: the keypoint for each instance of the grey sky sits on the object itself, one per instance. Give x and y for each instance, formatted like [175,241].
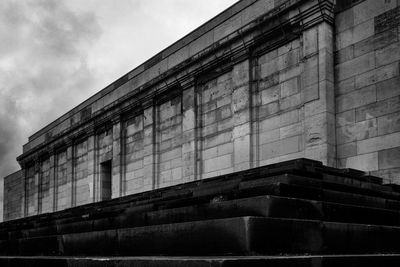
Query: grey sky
[55,54]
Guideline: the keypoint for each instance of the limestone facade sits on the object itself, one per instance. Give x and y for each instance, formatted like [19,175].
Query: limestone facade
[262,82]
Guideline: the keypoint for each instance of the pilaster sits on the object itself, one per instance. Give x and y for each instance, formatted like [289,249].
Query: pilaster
[149,146]
[318,94]
[241,104]
[116,172]
[189,148]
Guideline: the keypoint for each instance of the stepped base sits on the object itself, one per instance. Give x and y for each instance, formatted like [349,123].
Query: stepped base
[373,260]
[231,236]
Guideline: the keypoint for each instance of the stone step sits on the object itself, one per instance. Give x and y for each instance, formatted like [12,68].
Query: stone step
[286,185]
[207,190]
[337,196]
[266,206]
[209,187]
[232,236]
[362,188]
[314,193]
[373,260]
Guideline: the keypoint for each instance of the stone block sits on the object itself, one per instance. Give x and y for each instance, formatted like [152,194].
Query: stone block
[289,59]
[219,139]
[371,8]
[240,99]
[290,101]
[241,116]
[219,163]
[241,150]
[345,86]
[378,143]
[316,129]
[210,153]
[176,174]
[388,88]
[310,41]
[291,130]
[270,94]
[225,124]
[365,162]
[346,118]
[269,81]
[389,158]
[325,102]
[225,149]
[178,57]
[325,37]
[344,54]
[344,20]
[268,57]
[347,150]
[325,153]
[355,66]
[223,112]
[288,47]
[357,131]
[378,41]
[269,67]
[290,87]
[269,136]
[268,110]
[279,148]
[240,74]
[388,54]
[378,109]
[209,118]
[356,98]
[389,123]
[241,130]
[201,43]
[344,39]
[310,93]
[377,75]
[290,72]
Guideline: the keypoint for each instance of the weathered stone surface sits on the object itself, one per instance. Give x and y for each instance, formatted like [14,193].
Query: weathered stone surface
[223,100]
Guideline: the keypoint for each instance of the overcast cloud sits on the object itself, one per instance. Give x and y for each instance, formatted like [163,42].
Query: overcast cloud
[55,54]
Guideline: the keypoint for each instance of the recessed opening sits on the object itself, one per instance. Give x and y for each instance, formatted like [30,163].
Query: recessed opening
[105,180]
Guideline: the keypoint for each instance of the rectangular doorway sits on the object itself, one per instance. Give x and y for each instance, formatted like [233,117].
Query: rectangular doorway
[105,180]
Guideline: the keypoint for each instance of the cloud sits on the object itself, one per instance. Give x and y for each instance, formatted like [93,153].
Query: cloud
[55,54]
[43,68]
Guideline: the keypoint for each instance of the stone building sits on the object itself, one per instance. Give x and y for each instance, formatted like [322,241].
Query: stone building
[262,82]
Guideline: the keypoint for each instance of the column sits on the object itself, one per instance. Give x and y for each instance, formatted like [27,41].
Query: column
[91,166]
[318,94]
[149,146]
[70,173]
[116,180]
[189,147]
[37,189]
[241,99]
[52,182]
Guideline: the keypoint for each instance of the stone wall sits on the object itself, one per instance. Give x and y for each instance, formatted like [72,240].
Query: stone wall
[285,85]
[367,54]
[63,183]
[13,196]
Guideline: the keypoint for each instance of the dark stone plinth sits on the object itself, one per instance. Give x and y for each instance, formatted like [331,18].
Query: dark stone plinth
[299,207]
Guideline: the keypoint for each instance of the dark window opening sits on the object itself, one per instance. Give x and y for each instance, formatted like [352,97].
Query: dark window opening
[105,180]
